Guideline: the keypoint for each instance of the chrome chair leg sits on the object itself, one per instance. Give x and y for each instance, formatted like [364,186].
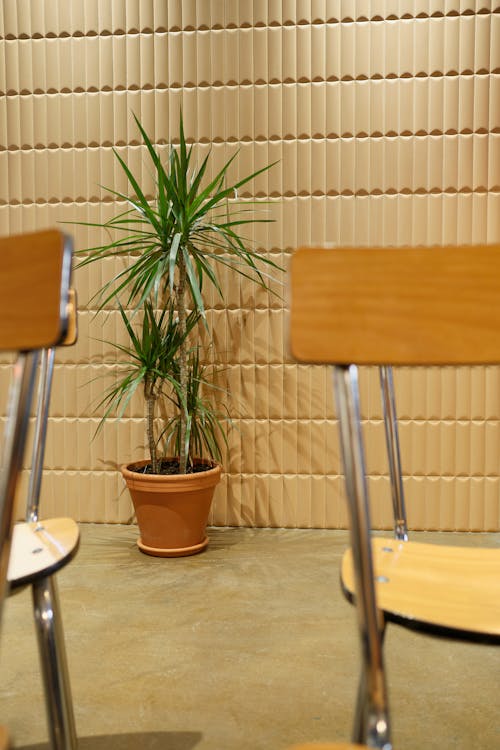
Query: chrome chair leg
[370,623]
[393,452]
[359,734]
[54,667]
[60,719]
[40,436]
[359,725]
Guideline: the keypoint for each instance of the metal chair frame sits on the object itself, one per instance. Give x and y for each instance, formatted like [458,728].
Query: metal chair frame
[393,452]
[371,722]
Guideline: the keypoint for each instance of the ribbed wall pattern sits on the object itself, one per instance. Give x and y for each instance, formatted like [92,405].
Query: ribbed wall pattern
[384,116]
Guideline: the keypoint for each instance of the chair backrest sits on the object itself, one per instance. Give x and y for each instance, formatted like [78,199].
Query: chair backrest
[400,306]
[35,273]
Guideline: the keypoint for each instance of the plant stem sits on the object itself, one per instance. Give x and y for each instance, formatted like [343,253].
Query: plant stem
[183,370]
[150,397]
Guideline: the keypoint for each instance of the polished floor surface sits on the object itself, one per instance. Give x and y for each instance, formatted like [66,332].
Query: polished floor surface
[248,646]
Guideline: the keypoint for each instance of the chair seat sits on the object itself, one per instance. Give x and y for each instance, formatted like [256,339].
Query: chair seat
[41,548]
[447,590]
[328,746]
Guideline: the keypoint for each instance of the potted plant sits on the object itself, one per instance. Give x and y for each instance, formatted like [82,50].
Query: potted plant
[173,245]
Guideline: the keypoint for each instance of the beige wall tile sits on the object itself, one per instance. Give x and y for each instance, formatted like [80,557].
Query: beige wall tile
[384,121]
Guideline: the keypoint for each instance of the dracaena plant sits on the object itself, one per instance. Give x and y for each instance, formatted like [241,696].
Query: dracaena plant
[173,243]
[205,423]
[152,364]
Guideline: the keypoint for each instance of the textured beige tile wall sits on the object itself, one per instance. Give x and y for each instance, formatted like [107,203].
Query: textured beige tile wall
[384,116]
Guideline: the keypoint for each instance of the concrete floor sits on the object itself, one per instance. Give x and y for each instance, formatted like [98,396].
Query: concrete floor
[249,645]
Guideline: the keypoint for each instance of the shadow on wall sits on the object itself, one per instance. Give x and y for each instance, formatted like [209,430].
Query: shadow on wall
[144,740]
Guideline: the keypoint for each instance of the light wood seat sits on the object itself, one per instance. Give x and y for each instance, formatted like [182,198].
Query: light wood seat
[384,307]
[327,746]
[41,549]
[446,590]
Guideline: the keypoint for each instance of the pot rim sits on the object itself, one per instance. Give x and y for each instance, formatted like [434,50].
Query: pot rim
[215,468]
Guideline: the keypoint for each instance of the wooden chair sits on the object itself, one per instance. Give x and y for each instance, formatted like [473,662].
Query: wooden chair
[404,306]
[39,550]
[35,272]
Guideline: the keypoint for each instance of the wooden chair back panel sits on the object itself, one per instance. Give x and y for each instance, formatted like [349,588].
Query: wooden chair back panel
[34,278]
[401,306]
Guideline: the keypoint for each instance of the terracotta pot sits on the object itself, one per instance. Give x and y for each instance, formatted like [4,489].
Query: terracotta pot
[172,509]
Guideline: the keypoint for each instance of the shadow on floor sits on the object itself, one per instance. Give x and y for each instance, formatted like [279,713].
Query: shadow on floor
[144,740]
